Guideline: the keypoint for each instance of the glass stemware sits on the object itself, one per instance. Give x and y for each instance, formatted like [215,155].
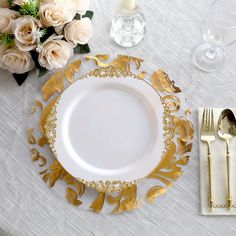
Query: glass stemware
[218,29]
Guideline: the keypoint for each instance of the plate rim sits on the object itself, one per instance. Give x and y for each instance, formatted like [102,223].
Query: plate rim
[116,185]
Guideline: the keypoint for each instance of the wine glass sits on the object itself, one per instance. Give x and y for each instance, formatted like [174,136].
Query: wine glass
[218,29]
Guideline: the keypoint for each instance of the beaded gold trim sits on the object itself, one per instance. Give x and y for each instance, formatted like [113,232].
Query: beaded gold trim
[110,186]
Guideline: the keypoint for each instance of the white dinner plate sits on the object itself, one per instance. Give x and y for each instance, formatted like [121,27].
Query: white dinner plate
[109,129]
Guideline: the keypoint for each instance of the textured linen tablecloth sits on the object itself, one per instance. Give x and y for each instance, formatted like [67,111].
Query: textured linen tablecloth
[28,207]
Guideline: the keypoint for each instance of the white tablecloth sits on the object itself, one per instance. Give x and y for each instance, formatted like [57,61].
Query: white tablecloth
[28,207]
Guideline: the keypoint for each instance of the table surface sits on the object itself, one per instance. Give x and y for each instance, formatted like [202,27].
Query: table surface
[28,207]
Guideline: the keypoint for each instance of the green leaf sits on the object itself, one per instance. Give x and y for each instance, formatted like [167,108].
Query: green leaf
[88,14]
[7,40]
[82,49]
[77,16]
[10,2]
[20,78]
[41,72]
[31,8]
[43,32]
[46,33]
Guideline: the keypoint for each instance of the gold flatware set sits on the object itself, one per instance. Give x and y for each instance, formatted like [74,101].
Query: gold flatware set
[226,130]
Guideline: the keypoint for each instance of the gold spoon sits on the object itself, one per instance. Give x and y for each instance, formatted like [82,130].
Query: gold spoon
[227,131]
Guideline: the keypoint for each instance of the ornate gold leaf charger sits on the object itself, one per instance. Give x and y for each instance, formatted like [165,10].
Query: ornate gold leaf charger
[178,137]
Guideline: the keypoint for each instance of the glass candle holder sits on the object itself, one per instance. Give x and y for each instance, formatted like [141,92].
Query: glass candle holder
[128,25]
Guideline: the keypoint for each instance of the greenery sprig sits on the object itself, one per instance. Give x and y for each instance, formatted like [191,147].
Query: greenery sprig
[31,8]
[7,40]
[10,2]
[43,32]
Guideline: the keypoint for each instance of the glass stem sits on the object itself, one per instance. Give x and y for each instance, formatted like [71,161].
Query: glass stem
[211,53]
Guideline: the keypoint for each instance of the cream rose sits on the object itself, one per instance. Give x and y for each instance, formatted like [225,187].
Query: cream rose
[55,52]
[56,14]
[7,16]
[16,61]
[52,1]
[4,3]
[78,31]
[19,2]
[26,30]
[80,6]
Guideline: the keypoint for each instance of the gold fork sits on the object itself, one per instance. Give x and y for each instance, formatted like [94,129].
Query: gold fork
[208,136]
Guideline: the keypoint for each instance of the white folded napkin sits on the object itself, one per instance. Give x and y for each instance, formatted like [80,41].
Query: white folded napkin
[219,179]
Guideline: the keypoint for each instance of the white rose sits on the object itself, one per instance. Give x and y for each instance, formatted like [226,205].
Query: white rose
[7,16]
[78,31]
[55,52]
[82,6]
[26,30]
[56,14]
[4,3]
[16,61]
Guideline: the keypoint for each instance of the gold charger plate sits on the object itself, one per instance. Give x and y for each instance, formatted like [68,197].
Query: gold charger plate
[178,139]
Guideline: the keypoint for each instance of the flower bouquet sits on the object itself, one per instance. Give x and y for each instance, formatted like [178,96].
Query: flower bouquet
[42,34]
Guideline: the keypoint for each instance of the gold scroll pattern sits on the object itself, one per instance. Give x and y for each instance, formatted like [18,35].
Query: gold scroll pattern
[177,155]
[174,158]
[56,83]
